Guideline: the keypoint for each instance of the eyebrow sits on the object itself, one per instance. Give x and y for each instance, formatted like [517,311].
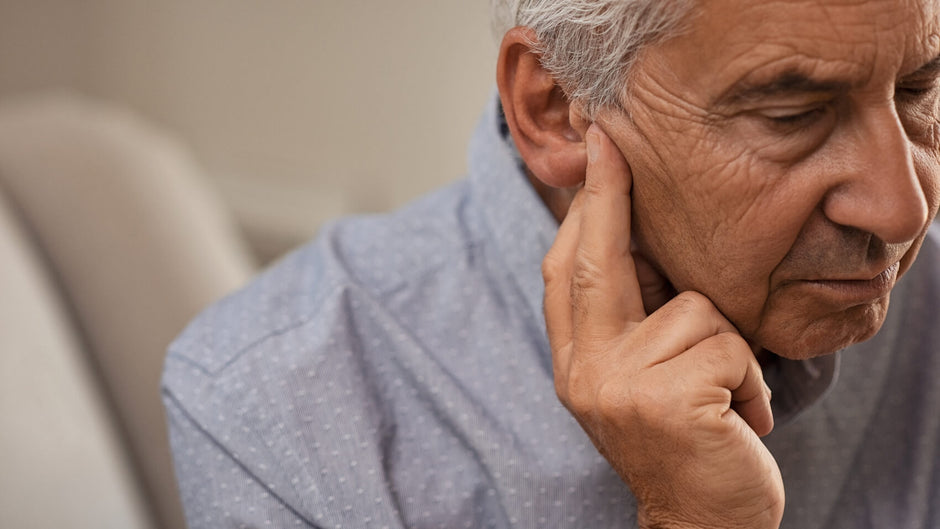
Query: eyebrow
[788,83]
[932,67]
[793,82]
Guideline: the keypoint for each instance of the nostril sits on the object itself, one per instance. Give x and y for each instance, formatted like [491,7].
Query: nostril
[895,213]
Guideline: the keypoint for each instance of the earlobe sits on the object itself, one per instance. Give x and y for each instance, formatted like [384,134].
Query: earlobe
[547,129]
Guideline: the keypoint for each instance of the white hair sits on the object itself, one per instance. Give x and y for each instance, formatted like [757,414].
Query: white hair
[589,46]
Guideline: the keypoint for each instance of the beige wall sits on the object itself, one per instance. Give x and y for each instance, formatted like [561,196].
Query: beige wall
[298,109]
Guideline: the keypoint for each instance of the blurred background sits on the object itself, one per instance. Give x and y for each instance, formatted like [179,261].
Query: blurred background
[153,156]
[297,110]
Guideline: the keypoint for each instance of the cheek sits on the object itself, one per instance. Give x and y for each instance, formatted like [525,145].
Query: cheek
[721,231]
[701,209]
[682,191]
[714,214]
[669,225]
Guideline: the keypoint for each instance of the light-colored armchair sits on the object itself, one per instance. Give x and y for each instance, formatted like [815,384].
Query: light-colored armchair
[110,241]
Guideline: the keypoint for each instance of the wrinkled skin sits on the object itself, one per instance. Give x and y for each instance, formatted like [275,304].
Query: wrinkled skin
[767,201]
[675,399]
[778,164]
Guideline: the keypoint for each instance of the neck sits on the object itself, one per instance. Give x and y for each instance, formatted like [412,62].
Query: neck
[557,200]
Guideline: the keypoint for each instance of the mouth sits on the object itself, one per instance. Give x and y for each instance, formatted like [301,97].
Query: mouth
[857,290]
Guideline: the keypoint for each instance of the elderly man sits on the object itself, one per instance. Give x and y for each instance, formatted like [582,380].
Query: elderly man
[743,187]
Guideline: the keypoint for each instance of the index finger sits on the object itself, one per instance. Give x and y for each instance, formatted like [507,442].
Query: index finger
[605,290]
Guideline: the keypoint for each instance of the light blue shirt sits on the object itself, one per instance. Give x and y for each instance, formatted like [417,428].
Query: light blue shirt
[395,373]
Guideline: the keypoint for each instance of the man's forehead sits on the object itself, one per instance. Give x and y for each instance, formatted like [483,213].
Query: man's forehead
[827,20]
[772,45]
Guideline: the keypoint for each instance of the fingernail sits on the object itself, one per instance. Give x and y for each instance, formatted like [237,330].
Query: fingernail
[593,144]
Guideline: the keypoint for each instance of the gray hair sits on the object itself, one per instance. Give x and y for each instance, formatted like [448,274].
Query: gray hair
[589,46]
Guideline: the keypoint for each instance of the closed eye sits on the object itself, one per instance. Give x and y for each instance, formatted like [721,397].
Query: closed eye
[914,90]
[792,119]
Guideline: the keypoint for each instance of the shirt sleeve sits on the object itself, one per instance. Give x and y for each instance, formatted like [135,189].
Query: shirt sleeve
[217,491]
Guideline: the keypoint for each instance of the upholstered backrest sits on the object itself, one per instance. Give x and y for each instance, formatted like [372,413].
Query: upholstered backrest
[64,464]
[134,243]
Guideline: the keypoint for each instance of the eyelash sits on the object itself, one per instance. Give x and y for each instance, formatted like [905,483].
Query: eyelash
[787,123]
[798,120]
[914,92]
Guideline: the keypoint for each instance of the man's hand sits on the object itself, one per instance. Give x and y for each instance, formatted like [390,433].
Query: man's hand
[675,400]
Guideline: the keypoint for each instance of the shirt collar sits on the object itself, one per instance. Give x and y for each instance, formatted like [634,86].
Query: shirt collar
[798,384]
[522,229]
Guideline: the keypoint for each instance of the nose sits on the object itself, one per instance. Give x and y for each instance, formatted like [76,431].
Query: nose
[878,190]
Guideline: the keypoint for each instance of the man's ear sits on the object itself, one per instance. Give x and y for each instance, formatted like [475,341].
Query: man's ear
[547,130]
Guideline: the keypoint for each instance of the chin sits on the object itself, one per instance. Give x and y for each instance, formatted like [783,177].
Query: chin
[808,338]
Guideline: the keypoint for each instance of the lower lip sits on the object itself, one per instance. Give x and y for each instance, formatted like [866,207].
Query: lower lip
[856,292]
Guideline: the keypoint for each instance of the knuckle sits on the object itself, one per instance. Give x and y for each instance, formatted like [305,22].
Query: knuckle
[578,393]
[691,301]
[584,281]
[612,400]
[586,274]
[725,348]
[579,405]
[731,341]
[551,268]
[728,343]
[593,188]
